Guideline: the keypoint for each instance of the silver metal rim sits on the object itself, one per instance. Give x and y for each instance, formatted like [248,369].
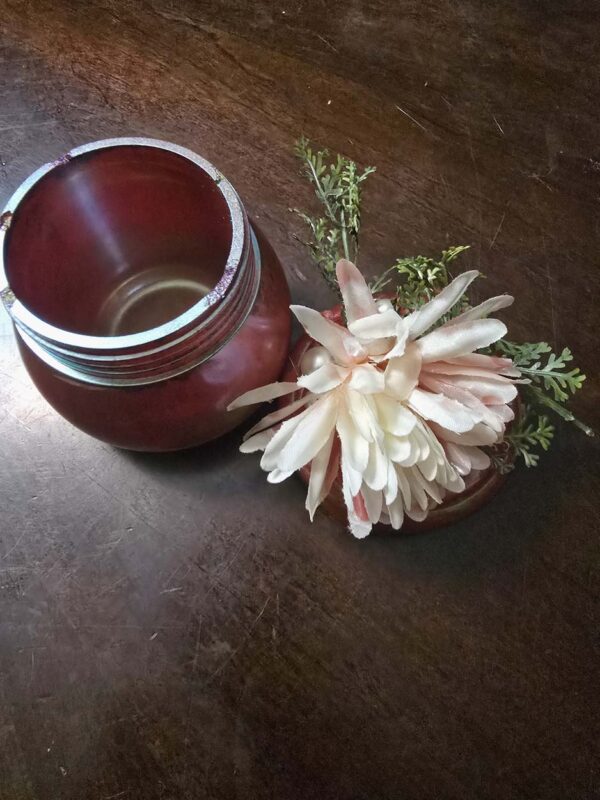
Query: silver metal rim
[22,315]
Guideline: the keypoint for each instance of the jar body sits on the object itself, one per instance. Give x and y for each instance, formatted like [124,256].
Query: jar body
[191,408]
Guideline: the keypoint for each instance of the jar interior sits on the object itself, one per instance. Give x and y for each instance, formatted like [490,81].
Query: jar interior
[118,240]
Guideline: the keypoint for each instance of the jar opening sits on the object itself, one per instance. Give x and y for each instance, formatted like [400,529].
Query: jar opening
[117,240]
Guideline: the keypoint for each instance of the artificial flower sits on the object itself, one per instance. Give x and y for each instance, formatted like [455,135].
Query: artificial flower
[400,407]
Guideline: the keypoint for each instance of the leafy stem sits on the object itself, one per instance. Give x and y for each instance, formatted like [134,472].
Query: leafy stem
[338,186]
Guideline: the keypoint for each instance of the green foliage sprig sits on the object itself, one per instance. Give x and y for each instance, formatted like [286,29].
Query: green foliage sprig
[549,380]
[338,185]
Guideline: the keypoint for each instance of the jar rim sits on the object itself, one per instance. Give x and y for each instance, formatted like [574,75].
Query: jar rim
[23,316]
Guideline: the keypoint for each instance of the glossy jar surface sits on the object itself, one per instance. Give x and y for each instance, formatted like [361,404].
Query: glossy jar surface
[143,299]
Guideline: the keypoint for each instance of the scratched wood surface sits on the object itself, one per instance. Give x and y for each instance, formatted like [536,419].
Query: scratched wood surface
[171,626]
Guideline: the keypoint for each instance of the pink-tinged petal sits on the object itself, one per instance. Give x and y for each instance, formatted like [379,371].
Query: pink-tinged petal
[454,482]
[373,501]
[357,297]
[352,478]
[426,316]
[489,391]
[318,471]
[479,459]
[380,325]
[262,394]
[460,339]
[358,527]
[257,442]
[448,368]
[277,416]
[376,472]
[505,413]
[446,412]
[480,435]
[342,346]
[402,374]
[467,399]
[367,379]
[394,417]
[483,309]
[323,379]
[333,469]
[310,436]
[466,459]
[496,363]
[354,446]
[459,458]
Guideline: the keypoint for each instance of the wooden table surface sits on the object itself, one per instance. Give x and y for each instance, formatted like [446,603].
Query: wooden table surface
[172,626]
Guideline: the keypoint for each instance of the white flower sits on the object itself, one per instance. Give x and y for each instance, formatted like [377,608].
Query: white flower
[401,412]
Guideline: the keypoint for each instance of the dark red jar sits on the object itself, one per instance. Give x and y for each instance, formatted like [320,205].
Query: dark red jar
[143,299]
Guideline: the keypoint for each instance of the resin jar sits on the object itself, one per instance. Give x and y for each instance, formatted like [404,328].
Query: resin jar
[143,299]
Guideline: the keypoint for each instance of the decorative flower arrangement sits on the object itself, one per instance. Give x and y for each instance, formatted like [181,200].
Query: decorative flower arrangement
[399,400]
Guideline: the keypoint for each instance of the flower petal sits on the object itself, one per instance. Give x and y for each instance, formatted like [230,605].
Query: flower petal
[446,412]
[380,325]
[496,363]
[310,435]
[402,373]
[422,319]
[318,471]
[354,446]
[342,346]
[373,503]
[490,391]
[459,339]
[417,514]
[400,346]
[273,449]
[367,379]
[398,448]
[396,512]
[394,417]
[262,394]
[323,379]
[480,434]
[479,459]
[359,528]
[357,297]
[257,442]
[362,414]
[484,309]
[376,472]
[416,488]
[277,475]
[391,489]
[276,416]
[505,413]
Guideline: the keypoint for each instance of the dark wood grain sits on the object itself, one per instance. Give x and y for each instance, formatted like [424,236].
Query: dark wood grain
[172,627]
